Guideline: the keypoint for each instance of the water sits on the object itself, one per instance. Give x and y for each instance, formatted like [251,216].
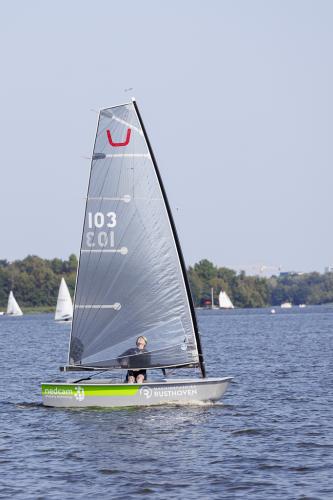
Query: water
[271,438]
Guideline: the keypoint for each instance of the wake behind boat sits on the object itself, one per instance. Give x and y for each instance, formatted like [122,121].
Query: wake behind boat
[131,283]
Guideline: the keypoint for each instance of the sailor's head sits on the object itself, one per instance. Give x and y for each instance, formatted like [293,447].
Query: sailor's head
[141,342]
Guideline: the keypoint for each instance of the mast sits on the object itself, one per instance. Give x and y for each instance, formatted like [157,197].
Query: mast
[177,243]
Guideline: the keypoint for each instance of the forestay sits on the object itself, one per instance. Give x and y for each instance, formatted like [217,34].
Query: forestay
[130,280]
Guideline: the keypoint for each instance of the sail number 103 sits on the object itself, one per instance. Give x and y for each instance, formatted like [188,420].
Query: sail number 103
[99,220]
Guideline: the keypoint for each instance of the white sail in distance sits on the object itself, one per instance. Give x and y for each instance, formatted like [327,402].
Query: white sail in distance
[224,301]
[64,309]
[13,309]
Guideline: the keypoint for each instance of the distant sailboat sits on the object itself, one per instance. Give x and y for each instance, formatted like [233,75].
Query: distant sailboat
[286,305]
[224,301]
[64,309]
[13,309]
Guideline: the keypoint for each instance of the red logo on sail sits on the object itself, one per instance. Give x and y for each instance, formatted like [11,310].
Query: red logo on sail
[118,144]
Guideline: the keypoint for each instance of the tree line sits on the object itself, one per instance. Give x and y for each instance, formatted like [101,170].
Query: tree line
[35,282]
[255,291]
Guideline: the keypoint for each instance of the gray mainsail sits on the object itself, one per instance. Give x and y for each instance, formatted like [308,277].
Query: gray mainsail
[130,279]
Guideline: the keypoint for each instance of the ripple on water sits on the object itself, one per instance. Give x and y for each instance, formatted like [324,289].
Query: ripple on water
[269,438]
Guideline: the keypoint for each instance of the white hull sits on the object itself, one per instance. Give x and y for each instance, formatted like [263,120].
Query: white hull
[104,393]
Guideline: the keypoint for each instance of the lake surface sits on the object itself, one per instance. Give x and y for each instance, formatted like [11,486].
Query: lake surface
[271,437]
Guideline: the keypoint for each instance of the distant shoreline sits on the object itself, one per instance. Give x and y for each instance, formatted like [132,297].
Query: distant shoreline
[36,281]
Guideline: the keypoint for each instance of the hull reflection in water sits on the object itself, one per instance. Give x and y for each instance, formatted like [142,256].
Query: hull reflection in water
[106,394]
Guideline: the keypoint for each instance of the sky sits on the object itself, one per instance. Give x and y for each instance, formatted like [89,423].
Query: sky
[236,97]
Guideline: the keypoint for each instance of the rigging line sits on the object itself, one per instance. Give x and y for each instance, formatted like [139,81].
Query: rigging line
[91,376]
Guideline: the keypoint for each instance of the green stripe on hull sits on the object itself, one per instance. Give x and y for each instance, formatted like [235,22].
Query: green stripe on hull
[88,390]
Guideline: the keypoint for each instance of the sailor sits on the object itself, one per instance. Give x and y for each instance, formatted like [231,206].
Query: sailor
[126,359]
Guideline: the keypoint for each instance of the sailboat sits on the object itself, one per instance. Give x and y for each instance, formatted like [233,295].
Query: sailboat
[131,283]
[13,309]
[224,301]
[64,309]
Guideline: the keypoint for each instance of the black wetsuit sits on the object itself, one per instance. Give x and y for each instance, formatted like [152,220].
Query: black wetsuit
[128,360]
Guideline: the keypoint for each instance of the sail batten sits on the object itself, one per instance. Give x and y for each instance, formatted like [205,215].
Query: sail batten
[102,156]
[129,254]
[97,306]
[122,251]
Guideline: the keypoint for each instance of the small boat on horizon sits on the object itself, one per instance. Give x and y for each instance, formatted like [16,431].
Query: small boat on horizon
[286,305]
